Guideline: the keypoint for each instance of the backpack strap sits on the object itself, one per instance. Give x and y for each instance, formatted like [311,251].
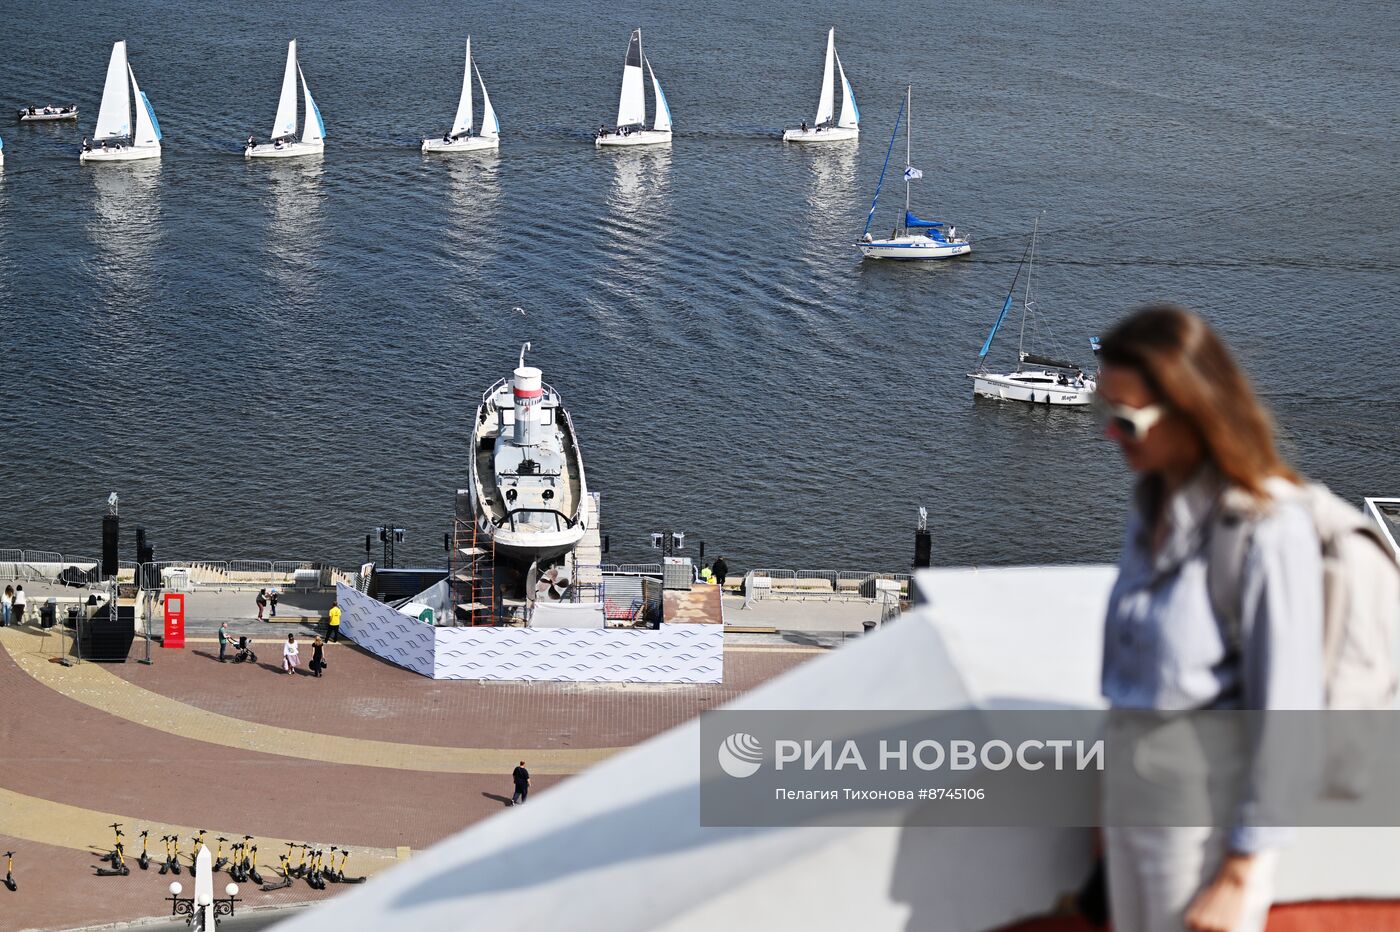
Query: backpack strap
[1229,535]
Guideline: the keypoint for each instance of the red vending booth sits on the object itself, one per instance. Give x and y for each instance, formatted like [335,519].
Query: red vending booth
[174,620]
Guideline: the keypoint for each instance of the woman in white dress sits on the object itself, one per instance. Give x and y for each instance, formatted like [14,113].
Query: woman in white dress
[290,656]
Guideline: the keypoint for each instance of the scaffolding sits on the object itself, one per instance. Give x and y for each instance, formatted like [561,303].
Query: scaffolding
[472,576]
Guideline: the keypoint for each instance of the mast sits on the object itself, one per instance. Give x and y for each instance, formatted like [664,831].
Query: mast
[908,147]
[1026,304]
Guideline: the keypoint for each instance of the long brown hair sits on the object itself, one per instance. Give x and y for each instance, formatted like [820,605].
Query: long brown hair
[1184,362]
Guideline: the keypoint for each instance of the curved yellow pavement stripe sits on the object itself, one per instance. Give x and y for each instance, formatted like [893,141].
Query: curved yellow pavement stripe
[91,685]
[49,823]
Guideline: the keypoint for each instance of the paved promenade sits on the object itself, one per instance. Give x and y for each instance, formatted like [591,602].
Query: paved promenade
[368,756]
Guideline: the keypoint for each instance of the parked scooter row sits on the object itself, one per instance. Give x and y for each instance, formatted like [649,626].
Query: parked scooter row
[241,862]
[311,868]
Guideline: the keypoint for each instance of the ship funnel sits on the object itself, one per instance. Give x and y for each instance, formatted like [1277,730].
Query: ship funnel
[528,394]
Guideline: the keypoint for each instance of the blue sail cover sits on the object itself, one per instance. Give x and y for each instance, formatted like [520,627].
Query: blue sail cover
[914,222]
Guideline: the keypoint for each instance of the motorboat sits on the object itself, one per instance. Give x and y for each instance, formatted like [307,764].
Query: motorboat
[114,140]
[824,128]
[1036,379]
[48,114]
[285,144]
[914,238]
[528,493]
[460,137]
[630,129]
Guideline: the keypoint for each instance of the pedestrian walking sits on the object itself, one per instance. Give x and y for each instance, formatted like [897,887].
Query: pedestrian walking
[20,600]
[223,640]
[261,602]
[7,602]
[521,776]
[272,603]
[290,656]
[318,657]
[721,570]
[333,625]
[1189,425]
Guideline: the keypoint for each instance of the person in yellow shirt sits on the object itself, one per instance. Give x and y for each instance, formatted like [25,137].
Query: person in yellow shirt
[333,628]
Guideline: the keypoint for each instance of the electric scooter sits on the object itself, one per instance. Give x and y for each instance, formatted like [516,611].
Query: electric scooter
[10,872]
[144,861]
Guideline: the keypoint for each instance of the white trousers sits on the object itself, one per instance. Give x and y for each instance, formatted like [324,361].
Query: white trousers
[1155,873]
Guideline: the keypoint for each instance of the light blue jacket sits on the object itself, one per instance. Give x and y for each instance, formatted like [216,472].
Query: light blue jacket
[1164,649]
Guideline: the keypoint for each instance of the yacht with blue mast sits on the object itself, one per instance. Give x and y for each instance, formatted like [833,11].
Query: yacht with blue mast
[1037,379]
[914,239]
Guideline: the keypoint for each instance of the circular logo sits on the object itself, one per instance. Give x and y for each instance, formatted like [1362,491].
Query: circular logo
[740,755]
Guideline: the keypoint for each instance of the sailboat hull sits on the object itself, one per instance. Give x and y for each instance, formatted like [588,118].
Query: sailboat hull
[912,248]
[1032,388]
[288,150]
[827,134]
[465,144]
[641,137]
[119,154]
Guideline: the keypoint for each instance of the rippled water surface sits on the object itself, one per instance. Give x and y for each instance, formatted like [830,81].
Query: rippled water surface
[268,359]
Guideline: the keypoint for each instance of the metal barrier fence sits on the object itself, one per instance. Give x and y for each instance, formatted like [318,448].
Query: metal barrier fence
[48,564]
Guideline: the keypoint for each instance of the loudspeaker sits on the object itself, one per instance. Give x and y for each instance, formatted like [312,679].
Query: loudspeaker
[146,554]
[111,536]
[923,549]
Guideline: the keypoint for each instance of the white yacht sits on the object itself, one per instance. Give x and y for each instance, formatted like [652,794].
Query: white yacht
[114,140]
[632,105]
[460,137]
[823,129]
[529,496]
[285,144]
[1036,379]
[914,238]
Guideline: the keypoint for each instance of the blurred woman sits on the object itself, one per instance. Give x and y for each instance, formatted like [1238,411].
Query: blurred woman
[1189,426]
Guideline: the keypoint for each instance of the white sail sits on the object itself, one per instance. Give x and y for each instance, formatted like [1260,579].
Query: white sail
[286,122]
[147,127]
[663,109]
[850,113]
[490,126]
[313,128]
[824,103]
[114,115]
[632,104]
[463,121]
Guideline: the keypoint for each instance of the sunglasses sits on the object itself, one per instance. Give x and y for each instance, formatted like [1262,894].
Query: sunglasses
[1128,423]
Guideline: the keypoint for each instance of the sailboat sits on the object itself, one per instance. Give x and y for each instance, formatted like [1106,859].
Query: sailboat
[1037,379]
[113,138]
[460,138]
[632,106]
[284,144]
[914,238]
[822,128]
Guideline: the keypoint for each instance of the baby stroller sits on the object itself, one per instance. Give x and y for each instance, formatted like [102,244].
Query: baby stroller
[244,652]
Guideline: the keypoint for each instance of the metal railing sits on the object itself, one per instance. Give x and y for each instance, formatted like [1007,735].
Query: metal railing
[819,583]
[49,564]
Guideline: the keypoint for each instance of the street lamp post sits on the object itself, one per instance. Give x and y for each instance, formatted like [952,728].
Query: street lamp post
[388,535]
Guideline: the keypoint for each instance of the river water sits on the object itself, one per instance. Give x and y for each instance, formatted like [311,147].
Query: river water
[269,359]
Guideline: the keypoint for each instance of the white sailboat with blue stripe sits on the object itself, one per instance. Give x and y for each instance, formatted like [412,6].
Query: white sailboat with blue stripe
[631,128]
[914,238]
[114,139]
[284,143]
[1037,379]
[824,128]
[461,138]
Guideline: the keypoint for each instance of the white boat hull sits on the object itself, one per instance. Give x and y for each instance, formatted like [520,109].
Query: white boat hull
[641,137]
[464,144]
[911,248]
[1032,388]
[119,154]
[288,150]
[829,134]
[26,117]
